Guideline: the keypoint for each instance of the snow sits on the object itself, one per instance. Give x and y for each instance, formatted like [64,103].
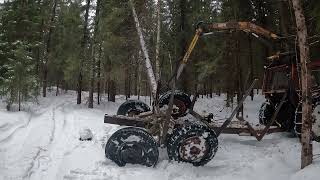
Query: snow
[42,142]
[86,134]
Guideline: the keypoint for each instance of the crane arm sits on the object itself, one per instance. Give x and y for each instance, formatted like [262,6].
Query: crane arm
[202,28]
[242,26]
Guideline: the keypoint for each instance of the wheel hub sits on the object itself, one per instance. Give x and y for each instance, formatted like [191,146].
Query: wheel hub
[193,148]
[132,153]
[179,107]
[133,112]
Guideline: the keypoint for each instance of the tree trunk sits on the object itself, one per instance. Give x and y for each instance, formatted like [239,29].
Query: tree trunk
[99,73]
[57,90]
[112,91]
[47,49]
[158,41]
[83,51]
[93,57]
[306,154]
[251,73]
[150,73]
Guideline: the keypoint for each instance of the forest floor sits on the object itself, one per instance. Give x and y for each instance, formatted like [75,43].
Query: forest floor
[42,142]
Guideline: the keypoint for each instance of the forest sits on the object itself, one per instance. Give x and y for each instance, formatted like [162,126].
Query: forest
[92,45]
[153,89]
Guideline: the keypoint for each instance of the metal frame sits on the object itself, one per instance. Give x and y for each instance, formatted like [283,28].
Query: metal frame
[241,127]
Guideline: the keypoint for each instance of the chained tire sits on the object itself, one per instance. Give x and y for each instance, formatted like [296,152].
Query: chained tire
[132,108]
[132,145]
[182,103]
[266,111]
[195,144]
[298,124]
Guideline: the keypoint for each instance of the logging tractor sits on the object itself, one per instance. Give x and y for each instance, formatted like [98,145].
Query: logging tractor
[189,137]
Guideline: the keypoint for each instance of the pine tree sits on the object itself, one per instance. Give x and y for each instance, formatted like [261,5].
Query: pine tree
[18,21]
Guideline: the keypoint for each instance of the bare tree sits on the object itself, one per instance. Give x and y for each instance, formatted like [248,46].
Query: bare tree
[306,154]
[83,51]
[93,57]
[158,40]
[150,73]
[48,48]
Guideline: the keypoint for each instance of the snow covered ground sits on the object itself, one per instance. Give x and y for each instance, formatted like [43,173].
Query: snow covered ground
[42,142]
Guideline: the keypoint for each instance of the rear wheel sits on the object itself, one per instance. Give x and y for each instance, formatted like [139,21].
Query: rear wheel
[132,145]
[266,111]
[181,102]
[195,144]
[315,123]
[132,108]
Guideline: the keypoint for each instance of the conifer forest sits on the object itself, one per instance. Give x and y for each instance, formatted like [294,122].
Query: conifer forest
[175,73]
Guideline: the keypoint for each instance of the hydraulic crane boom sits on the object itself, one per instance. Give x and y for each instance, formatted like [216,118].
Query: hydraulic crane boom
[206,28]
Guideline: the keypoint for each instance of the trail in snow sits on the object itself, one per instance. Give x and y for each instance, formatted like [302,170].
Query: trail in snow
[48,147]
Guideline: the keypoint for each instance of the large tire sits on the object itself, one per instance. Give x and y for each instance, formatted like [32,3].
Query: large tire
[195,144]
[266,111]
[132,145]
[132,107]
[284,119]
[182,103]
[315,124]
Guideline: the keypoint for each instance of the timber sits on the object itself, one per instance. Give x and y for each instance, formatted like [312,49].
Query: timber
[302,33]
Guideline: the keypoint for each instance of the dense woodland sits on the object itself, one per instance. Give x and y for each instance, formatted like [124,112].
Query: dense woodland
[92,45]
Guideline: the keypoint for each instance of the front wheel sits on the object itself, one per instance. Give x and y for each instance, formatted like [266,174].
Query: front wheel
[132,145]
[195,144]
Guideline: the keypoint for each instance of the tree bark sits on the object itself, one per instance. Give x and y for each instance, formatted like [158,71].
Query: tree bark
[93,57]
[83,51]
[99,73]
[47,49]
[150,73]
[158,41]
[306,153]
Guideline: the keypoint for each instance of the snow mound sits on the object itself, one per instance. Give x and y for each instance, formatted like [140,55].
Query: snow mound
[86,134]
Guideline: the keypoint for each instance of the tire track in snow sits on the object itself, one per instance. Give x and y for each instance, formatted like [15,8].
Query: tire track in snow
[32,116]
[9,137]
[36,158]
[57,149]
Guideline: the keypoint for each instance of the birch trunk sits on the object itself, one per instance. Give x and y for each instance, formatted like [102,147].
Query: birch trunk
[306,153]
[150,73]
[158,41]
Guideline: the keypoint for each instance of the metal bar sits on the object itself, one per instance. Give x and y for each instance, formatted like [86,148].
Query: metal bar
[235,129]
[125,121]
[273,119]
[168,115]
[234,112]
[188,53]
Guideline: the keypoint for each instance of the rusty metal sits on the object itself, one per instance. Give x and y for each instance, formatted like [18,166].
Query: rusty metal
[234,112]
[193,148]
[243,26]
[236,127]
[260,135]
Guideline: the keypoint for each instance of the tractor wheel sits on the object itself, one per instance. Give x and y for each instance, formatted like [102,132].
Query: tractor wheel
[182,103]
[195,144]
[297,121]
[315,124]
[266,111]
[132,145]
[132,108]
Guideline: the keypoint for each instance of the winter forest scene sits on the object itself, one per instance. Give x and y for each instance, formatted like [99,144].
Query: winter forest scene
[159,89]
